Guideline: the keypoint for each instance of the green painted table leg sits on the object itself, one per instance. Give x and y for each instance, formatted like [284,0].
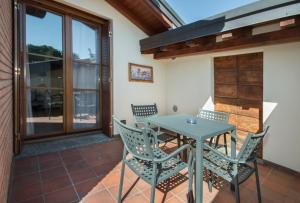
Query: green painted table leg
[233,143]
[199,172]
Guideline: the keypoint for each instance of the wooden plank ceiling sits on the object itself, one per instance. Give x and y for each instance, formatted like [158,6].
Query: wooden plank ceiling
[144,14]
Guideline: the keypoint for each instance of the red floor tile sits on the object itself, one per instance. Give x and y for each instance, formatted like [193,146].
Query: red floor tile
[66,195]
[27,180]
[89,187]
[55,184]
[48,164]
[49,156]
[53,173]
[21,193]
[102,196]
[82,175]
[95,172]
[39,199]
[76,165]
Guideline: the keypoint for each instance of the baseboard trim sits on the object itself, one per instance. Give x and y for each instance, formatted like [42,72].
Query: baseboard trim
[280,167]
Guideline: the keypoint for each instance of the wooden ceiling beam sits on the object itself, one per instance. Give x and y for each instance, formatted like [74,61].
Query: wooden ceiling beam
[122,9]
[158,14]
[240,39]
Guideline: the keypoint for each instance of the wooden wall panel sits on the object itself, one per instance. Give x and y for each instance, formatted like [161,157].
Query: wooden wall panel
[250,77]
[226,105]
[226,77]
[239,91]
[250,92]
[6,96]
[229,91]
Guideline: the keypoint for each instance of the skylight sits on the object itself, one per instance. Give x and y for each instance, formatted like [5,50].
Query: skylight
[193,10]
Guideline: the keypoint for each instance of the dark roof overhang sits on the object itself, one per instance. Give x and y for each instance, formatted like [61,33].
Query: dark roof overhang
[252,14]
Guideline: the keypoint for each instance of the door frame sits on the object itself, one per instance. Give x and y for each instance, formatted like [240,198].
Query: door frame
[105,117]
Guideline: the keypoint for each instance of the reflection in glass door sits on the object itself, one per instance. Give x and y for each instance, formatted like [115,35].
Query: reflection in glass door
[43,72]
[86,74]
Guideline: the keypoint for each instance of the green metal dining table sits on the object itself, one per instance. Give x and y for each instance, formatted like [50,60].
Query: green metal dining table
[200,131]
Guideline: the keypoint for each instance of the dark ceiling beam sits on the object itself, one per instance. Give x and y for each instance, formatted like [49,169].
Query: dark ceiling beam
[122,9]
[158,14]
[240,40]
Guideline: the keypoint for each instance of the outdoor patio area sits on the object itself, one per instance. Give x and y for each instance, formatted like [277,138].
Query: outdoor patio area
[149,101]
[92,174]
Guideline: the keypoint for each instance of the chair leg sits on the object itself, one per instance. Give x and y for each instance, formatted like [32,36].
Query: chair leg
[153,185]
[237,190]
[225,144]
[122,177]
[257,182]
[217,141]
[190,196]
[190,170]
[211,141]
[178,140]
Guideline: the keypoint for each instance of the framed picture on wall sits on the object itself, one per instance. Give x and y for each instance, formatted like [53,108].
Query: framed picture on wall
[140,73]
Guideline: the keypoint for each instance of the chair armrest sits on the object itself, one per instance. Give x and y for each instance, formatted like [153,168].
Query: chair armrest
[216,152]
[176,152]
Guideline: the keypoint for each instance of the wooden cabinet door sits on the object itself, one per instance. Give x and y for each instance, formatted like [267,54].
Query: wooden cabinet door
[238,83]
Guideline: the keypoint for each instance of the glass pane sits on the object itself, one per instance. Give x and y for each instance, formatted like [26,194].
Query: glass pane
[85,42]
[44,111]
[43,32]
[85,76]
[44,72]
[86,109]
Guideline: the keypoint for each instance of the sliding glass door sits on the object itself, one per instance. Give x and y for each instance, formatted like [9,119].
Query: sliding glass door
[62,91]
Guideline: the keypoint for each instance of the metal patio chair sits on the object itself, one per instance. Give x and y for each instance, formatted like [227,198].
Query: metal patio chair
[215,116]
[141,112]
[237,170]
[146,159]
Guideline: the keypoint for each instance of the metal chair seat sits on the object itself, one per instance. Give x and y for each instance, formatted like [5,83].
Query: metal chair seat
[144,169]
[224,168]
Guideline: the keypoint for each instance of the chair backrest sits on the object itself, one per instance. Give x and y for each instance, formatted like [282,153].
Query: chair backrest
[213,115]
[251,145]
[136,141]
[140,112]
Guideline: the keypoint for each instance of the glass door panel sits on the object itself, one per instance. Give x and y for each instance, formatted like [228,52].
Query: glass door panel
[86,74]
[43,72]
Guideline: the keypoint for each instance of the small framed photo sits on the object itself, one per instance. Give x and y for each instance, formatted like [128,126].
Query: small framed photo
[140,73]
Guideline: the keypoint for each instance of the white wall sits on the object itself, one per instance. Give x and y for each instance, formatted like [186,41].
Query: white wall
[126,49]
[190,84]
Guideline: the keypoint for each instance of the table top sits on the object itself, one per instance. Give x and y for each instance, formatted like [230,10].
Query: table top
[203,129]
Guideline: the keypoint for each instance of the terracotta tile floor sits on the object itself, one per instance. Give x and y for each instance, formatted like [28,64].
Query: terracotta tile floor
[91,174]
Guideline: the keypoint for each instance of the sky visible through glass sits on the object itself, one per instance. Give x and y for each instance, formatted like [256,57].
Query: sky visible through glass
[47,30]
[193,10]
[44,31]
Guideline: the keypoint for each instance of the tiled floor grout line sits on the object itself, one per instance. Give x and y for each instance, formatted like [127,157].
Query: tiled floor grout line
[111,195]
[68,174]
[267,176]
[41,179]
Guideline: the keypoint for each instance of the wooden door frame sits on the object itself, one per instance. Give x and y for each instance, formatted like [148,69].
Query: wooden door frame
[20,103]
